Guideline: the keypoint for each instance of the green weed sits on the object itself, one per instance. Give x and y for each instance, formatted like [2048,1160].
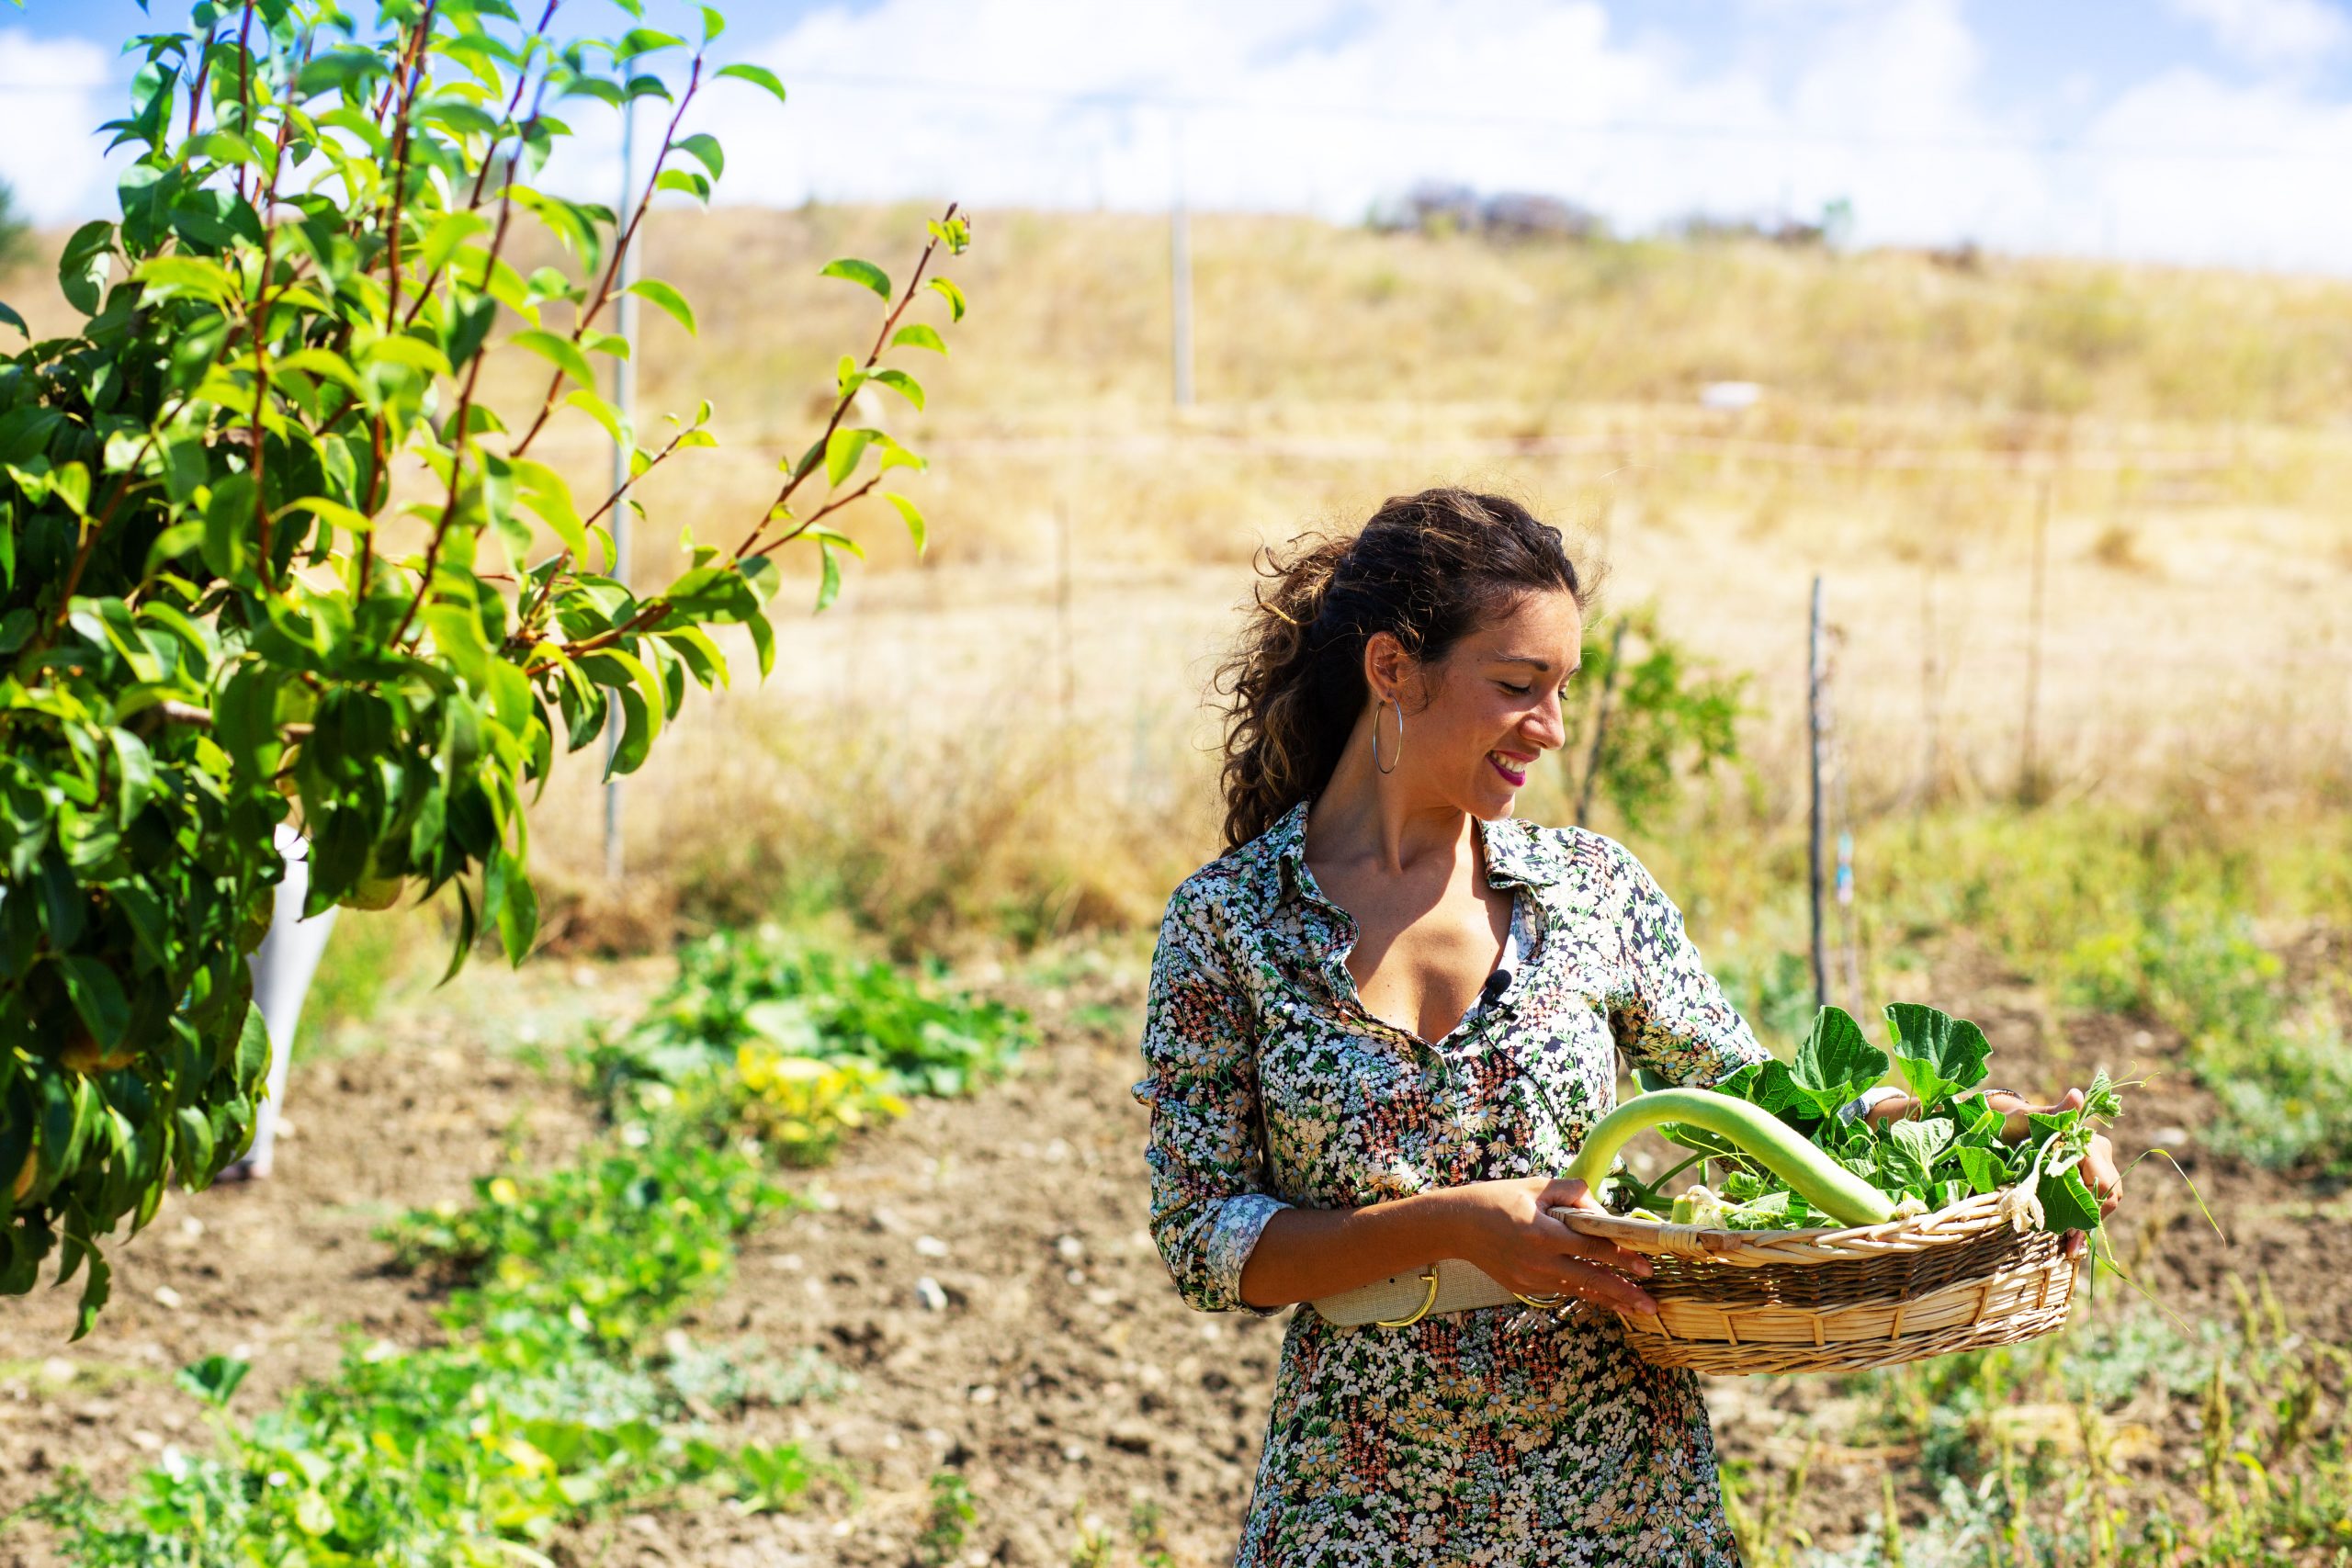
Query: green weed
[950,1523]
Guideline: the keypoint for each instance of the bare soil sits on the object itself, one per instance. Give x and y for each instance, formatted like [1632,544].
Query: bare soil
[981,1269]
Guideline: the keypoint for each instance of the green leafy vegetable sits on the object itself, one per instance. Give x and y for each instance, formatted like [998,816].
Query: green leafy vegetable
[1950,1145]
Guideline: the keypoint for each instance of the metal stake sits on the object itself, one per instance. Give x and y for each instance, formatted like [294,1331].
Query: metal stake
[1180,279]
[1815,854]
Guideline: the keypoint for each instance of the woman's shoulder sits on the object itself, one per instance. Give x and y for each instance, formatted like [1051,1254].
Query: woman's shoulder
[1553,856]
[1247,877]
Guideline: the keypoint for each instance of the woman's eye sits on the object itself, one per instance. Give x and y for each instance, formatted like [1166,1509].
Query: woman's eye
[1514,691]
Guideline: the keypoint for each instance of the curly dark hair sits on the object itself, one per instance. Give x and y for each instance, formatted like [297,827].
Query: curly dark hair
[1425,569]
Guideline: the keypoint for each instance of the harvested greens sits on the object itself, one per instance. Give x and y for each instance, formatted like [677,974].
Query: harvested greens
[1948,1148]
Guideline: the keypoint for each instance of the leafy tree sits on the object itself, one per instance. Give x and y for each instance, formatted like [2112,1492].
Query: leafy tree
[1649,716]
[267,547]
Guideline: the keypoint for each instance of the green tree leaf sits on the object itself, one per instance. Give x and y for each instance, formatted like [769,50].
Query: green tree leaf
[671,302]
[81,266]
[916,528]
[917,335]
[842,449]
[859,272]
[705,147]
[559,352]
[901,383]
[758,75]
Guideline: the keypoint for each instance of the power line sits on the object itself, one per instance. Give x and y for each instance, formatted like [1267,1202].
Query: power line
[1651,130]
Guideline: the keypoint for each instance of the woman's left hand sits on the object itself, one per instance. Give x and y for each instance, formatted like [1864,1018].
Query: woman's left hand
[2097,1167]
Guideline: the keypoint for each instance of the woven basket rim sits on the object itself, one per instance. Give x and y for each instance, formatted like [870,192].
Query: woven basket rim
[1949,1226]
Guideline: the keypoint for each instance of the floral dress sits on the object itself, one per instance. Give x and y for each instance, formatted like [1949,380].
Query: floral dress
[1479,1438]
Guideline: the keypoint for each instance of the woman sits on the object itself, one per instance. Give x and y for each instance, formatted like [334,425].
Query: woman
[1378,1023]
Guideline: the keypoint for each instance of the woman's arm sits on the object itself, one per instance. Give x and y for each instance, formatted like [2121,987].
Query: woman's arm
[1211,1196]
[1504,1227]
[1669,1014]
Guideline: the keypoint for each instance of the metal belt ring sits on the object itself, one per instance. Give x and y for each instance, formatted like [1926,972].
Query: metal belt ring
[1428,1302]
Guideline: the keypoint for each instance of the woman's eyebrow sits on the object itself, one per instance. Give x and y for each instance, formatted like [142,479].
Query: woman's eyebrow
[1529,658]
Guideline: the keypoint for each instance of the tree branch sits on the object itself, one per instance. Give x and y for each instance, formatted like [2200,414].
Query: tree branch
[817,516]
[603,293]
[529,612]
[413,71]
[203,74]
[840,405]
[245,86]
[465,400]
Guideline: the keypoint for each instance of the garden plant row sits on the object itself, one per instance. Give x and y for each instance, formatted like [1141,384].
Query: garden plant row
[563,1389]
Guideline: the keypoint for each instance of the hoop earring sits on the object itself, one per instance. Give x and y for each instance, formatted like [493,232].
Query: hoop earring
[1389,767]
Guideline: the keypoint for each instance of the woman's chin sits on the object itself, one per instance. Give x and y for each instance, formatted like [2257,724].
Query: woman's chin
[1495,805]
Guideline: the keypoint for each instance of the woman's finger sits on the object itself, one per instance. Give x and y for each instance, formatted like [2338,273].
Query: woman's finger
[2099,1173]
[1570,1192]
[1603,1286]
[1606,1255]
[1573,1242]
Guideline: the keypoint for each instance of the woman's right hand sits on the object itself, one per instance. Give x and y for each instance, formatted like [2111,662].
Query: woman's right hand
[1507,1229]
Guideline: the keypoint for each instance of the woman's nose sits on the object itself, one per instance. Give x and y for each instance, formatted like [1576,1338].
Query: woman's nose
[1547,728]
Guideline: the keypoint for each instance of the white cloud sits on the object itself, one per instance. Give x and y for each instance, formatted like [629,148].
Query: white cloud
[2265,190]
[2271,32]
[1331,104]
[49,118]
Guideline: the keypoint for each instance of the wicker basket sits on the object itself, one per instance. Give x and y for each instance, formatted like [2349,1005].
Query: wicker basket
[1735,1302]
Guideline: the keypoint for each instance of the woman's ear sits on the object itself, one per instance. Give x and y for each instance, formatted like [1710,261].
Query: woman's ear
[1387,668]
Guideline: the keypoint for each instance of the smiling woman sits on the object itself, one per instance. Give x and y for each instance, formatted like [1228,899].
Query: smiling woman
[1380,1022]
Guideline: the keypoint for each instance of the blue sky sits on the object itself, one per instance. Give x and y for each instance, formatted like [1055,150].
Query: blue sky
[2194,131]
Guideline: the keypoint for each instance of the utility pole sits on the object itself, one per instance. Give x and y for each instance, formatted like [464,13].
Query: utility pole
[625,400]
[1061,612]
[2030,768]
[1180,274]
[1815,850]
[1931,760]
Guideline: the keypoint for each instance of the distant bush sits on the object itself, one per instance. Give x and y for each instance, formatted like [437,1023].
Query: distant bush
[1435,207]
[16,234]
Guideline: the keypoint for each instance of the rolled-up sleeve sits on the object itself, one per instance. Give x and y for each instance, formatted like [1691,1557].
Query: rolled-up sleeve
[1209,1202]
[1671,1015]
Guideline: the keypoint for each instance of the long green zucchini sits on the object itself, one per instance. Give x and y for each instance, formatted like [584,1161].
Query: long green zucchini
[1813,1175]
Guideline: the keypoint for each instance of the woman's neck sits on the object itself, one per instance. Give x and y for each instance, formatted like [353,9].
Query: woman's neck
[1366,817]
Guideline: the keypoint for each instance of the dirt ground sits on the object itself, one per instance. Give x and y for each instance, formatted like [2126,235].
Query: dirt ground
[980,1269]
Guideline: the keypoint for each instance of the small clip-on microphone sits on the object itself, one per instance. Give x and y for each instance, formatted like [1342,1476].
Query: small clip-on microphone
[1497,984]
